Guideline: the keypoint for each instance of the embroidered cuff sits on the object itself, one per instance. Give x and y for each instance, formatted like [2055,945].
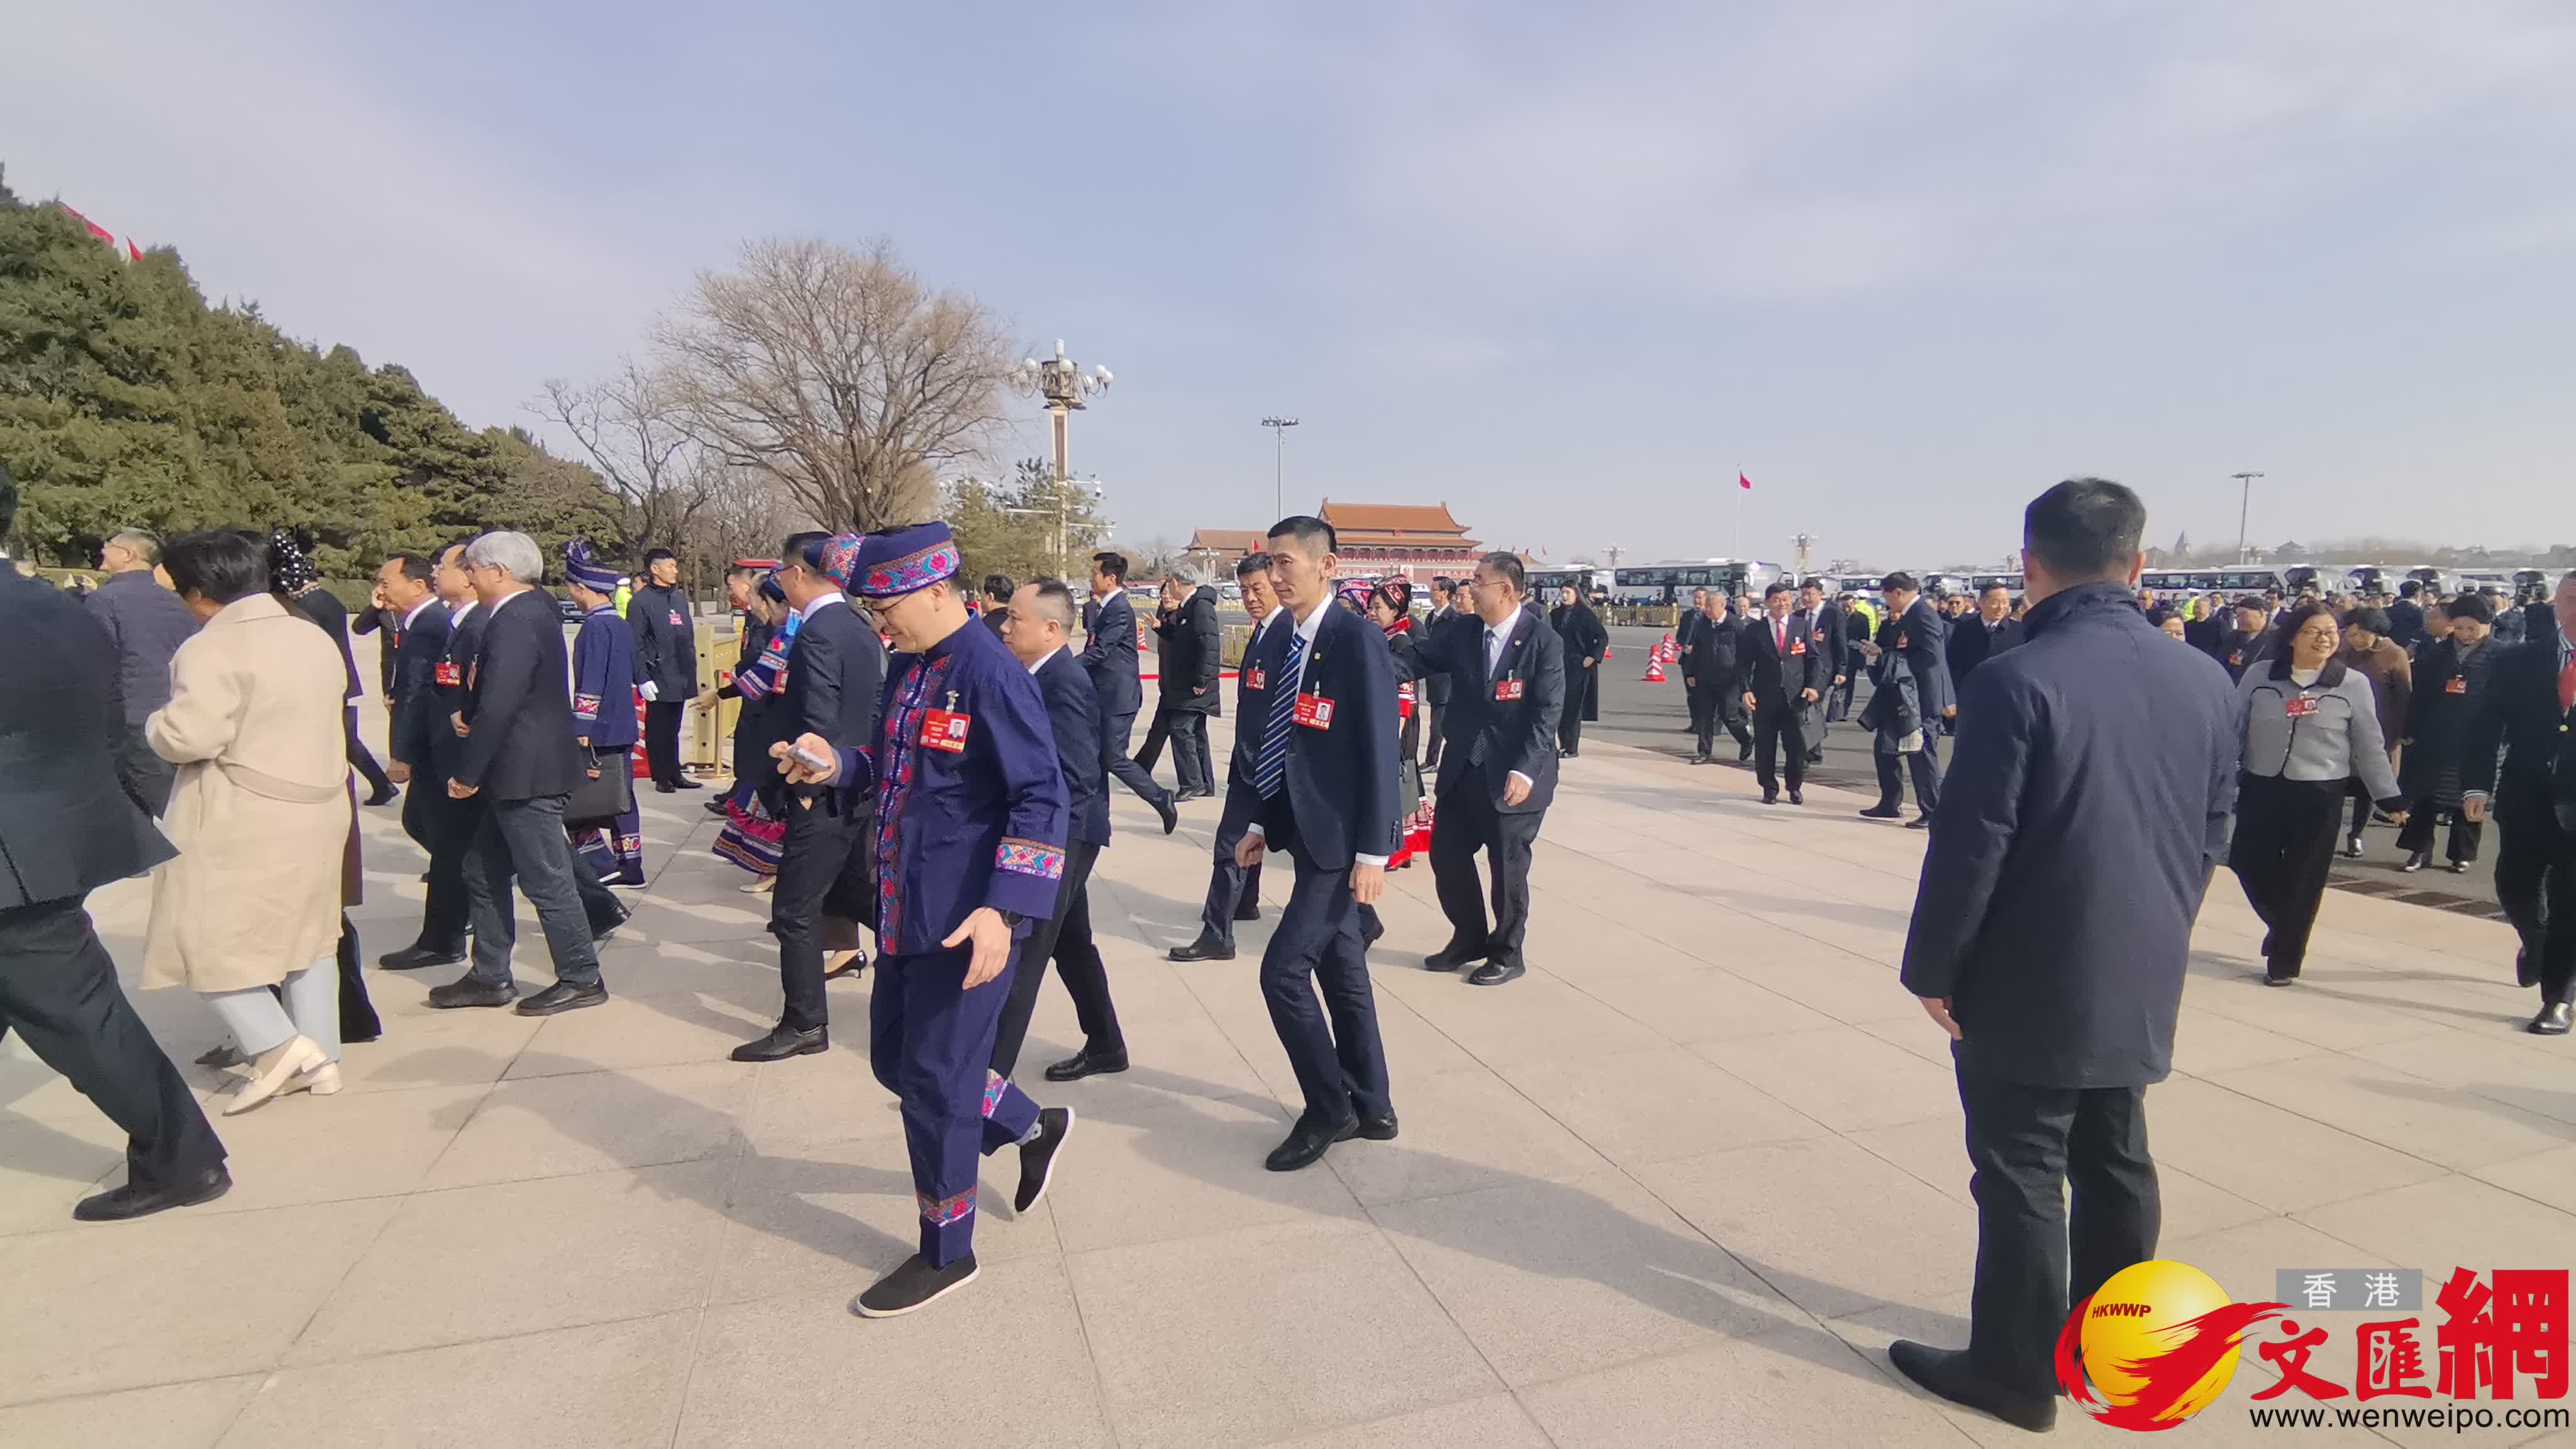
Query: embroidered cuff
[1030,857]
[946,1210]
[585,706]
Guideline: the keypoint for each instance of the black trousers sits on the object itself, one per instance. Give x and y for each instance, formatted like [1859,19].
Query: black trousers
[146,776]
[1232,890]
[824,867]
[1777,725]
[1468,821]
[1569,725]
[2026,1147]
[1066,940]
[662,739]
[1431,724]
[2536,884]
[358,1019]
[358,755]
[2417,833]
[1118,728]
[446,828]
[2283,849]
[1187,731]
[1715,704]
[1925,764]
[1341,1067]
[58,990]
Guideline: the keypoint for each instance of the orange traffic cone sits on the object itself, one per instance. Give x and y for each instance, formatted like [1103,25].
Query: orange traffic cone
[1654,671]
[1606,652]
[1671,651]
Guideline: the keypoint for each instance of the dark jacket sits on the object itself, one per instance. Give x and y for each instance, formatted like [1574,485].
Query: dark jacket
[836,676]
[604,670]
[666,641]
[1709,655]
[1918,640]
[2449,691]
[1081,746]
[1248,702]
[145,625]
[1193,655]
[1972,644]
[1774,679]
[2392,684]
[66,825]
[2405,623]
[1339,800]
[2084,808]
[449,691]
[1109,655]
[1825,636]
[323,607]
[995,618]
[386,621]
[412,729]
[520,704]
[1509,720]
[2521,721]
[2240,651]
[1581,637]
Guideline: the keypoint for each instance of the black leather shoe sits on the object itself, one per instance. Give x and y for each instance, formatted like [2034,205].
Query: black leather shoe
[2526,972]
[414,958]
[914,1285]
[563,996]
[1038,1156]
[1797,797]
[1744,754]
[1378,1129]
[1205,948]
[1087,1063]
[470,991]
[2352,847]
[1882,812]
[1454,955]
[1946,1374]
[2553,1020]
[600,933]
[714,807]
[784,1042]
[1171,813]
[1770,797]
[120,1203]
[1306,1144]
[685,783]
[1247,913]
[1495,973]
[1371,930]
[665,787]
[385,796]
[1919,822]
[1703,758]
[2417,861]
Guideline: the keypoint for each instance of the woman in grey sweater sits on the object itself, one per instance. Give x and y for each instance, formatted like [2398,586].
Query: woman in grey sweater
[2311,730]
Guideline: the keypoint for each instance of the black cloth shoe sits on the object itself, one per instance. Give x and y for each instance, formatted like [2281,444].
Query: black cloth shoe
[1307,1143]
[1248,911]
[2417,861]
[1205,948]
[120,1203]
[2525,973]
[685,783]
[665,787]
[1378,1129]
[914,1285]
[1171,813]
[385,796]
[1945,1373]
[1495,973]
[1882,812]
[471,991]
[783,1042]
[1456,954]
[2274,979]
[1087,1063]
[417,957]
[1038,1155]
[563,996]
[2553,1020]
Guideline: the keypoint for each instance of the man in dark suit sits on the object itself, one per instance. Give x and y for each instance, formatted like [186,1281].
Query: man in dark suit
[414,642]
[1708,672]
[2406,616]
[1192,661]
[1508,690]
[2529,716]
[1323,788]
[1825,636]
[835,686]
[2249,638]
[2087,807]
[67,827]
[666,655]
[1856,632]
[1041,621]
[1976,639]
[1234,890]
[1435,690]
[145,625]
[1684,629]
[428,739]
[1778,674]
[1109,657]
[1910,643]
[520,759]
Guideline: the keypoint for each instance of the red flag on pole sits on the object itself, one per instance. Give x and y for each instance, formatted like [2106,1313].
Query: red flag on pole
[1743,482]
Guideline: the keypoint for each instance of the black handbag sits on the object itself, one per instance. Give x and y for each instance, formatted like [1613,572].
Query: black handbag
[600,799]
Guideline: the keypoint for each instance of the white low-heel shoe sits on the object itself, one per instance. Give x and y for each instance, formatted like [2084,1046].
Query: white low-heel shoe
[321,1081]
[286,1073]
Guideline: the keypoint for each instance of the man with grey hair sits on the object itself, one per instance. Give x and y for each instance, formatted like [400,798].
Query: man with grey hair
[1192,659]
[521,758]
[147,624]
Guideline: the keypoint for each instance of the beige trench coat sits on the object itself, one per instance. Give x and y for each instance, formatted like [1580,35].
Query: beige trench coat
[261,809]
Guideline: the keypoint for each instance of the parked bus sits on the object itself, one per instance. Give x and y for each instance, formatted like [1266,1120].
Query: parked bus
[2011,583]
[1672,582]
[2368,579]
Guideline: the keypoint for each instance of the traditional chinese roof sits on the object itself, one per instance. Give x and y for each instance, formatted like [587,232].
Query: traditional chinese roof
[1234,541]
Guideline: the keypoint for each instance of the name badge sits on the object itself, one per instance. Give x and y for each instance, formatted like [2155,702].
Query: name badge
[2236,658]
[2301,708]
[1314,711]
[1256,678]
[2455,685]
[1797,647]
[676,621]
[1507,690]
[943,730]
[1820,636]
[1904,639]
[449,674]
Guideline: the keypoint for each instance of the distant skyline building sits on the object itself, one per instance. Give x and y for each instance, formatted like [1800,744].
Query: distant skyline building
[1413,541]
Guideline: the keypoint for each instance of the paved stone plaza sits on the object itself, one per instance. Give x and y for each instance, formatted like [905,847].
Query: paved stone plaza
[1676,1187]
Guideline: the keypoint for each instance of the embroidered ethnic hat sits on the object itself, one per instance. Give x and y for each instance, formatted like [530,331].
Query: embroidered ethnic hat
[890,565]
[582,566]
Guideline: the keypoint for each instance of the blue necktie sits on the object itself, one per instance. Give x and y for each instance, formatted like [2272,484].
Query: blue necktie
[1271,769]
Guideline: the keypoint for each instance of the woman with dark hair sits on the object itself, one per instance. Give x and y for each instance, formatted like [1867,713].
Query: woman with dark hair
[1585,642]
[248,914]
[2392,685]
[298,583]
[2311,728]
[2451,675]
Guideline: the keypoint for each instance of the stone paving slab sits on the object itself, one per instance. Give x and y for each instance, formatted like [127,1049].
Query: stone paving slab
[1679,1185]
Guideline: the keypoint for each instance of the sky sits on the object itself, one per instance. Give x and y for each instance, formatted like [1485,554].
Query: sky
[1567,268]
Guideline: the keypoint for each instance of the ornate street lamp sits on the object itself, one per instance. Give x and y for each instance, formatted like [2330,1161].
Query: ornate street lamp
[1064,386]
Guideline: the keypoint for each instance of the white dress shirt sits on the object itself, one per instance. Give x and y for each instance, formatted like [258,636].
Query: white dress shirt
[1496,636]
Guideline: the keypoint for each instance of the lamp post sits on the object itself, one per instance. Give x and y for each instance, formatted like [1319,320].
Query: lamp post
[2244,508]
[1063,385]
[1066,491]
[1279,478]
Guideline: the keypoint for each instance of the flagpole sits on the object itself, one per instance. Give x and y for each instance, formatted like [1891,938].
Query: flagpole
[1735,539]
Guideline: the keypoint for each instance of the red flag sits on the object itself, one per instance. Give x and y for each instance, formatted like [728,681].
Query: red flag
[1743,482]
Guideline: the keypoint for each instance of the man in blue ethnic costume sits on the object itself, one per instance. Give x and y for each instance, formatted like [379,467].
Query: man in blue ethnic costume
[603,714]
[970,847]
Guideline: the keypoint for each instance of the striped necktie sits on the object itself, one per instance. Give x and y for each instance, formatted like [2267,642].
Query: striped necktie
[1270,770]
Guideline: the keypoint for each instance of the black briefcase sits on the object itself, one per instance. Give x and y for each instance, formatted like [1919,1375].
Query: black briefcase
[601,798]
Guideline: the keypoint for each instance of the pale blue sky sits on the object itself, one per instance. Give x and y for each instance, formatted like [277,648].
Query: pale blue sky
[1566,267]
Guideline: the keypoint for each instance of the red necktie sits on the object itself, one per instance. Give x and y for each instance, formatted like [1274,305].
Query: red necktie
[1780,636]
[2567,686]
